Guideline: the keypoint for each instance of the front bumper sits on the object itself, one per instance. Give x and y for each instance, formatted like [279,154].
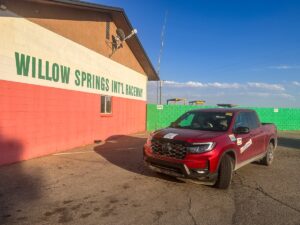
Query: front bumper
[179,170]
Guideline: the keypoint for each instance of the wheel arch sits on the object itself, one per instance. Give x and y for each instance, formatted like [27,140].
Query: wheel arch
[232,155]
[273,141]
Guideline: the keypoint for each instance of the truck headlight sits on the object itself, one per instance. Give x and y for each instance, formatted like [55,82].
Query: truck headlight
[201,147]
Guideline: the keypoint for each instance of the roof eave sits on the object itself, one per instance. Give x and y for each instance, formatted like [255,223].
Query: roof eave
[150,71]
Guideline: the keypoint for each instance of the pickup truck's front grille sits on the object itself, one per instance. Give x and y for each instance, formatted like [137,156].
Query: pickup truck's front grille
[169,149]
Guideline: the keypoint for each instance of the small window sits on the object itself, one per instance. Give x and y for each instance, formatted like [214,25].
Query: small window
[105,104]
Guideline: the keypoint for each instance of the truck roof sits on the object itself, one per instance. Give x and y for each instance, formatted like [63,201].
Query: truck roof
[225,110]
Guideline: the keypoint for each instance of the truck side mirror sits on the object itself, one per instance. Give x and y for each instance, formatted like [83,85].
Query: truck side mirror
[242,130]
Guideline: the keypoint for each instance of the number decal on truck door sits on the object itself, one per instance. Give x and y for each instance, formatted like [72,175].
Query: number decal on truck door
[246,146]
[232,137]
[239,141]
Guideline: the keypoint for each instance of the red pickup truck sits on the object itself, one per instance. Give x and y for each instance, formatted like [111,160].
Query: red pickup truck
[209,144]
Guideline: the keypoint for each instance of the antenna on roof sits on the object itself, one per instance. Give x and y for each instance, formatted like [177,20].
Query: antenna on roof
[159,82]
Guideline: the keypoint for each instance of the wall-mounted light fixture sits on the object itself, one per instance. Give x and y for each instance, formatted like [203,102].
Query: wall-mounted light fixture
[119,39]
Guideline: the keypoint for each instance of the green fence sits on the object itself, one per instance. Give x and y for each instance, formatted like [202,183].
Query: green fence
[284,118]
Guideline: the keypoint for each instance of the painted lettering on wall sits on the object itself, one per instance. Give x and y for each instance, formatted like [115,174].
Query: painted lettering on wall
[36,68]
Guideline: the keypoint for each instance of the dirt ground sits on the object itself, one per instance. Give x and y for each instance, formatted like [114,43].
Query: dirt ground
[108,184]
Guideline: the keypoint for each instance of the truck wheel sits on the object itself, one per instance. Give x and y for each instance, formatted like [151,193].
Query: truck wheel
[268,159]
[225,173]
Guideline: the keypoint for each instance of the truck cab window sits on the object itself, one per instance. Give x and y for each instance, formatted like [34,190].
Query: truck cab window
[242,120]
[253,120]
[187,120]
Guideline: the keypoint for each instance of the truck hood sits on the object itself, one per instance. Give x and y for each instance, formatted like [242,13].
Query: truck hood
[186,134]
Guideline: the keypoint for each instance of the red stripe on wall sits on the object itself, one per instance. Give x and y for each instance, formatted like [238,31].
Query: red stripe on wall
[36,120]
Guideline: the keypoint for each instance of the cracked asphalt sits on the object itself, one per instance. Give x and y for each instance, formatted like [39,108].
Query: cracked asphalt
[108,184]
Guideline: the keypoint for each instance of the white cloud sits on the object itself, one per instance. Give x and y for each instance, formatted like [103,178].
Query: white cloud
[196,84]
[283,67]
[266,86]
[193,84]
[296,83]
[285,95]
[224,85]
[244,94]
[267,94]
[219,85]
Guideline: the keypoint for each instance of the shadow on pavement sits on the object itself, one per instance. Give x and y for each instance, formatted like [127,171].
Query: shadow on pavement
[126,152]
[17,187]
[289,142]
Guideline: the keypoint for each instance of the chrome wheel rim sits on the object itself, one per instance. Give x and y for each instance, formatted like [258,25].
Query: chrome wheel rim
[270,154]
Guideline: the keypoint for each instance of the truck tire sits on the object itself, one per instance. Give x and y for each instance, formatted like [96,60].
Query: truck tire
[269,157]
[225,173]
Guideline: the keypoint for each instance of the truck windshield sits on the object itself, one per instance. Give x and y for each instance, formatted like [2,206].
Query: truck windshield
[209,121]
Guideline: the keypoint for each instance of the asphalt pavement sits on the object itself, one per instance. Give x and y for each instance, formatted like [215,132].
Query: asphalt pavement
[107,184]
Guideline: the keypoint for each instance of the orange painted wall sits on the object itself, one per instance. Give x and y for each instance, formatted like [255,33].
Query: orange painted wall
[36,120]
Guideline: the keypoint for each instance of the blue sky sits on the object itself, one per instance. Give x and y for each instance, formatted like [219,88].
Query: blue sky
[243,52]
